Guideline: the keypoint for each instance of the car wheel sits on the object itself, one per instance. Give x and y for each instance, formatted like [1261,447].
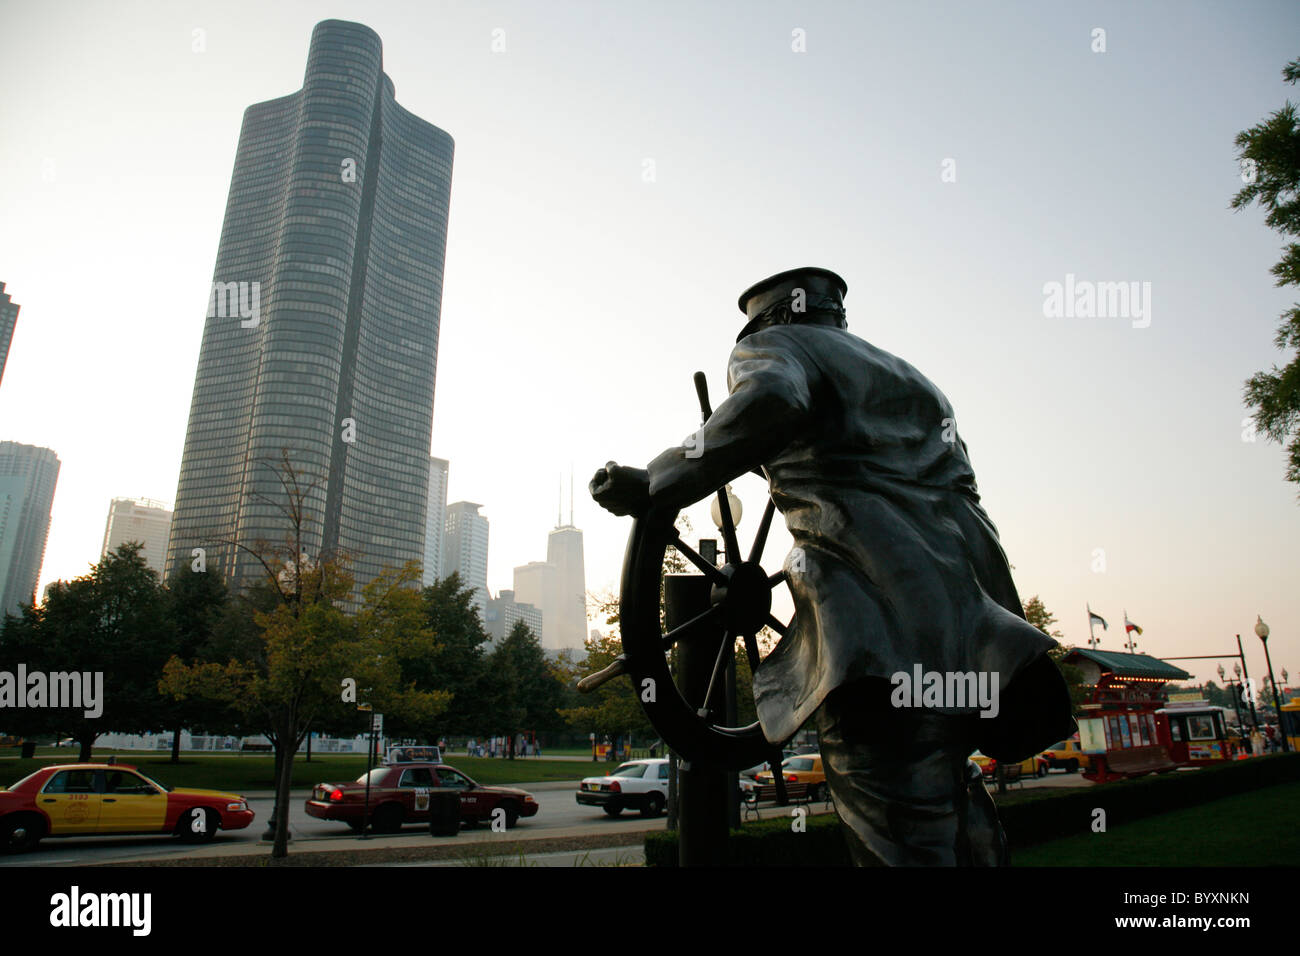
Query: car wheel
[1072,766]
[18,834]
[204,832]
[512,815]
[387,819]
[654,805]
[613,809]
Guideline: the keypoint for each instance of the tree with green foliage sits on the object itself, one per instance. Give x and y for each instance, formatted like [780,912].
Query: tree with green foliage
[300,657]
[109,623]
[1270,167]
[195,602]
[523,688]
[460,667]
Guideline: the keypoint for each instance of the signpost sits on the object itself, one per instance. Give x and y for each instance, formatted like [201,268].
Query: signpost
[376,728]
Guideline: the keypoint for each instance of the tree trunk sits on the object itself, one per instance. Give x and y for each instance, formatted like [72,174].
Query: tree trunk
[176,746]
[86,741]
[284,775]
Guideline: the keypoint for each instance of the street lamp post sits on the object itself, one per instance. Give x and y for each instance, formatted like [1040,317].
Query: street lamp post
[1261,631]
[1245,683]
[729,685]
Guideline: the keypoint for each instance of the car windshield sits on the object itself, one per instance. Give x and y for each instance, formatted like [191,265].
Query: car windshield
[630,770]
[22,781]
[157,783]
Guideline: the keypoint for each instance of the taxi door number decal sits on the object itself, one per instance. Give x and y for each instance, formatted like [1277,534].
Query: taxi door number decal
[421,798]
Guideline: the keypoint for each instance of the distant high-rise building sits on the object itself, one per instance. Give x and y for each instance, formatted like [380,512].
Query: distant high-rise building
[143,520]
[322,329]
[27,478]
[535,584]
[435,518]
[504,612]
[564,551]
[558,586]
[465,549]
[8,319]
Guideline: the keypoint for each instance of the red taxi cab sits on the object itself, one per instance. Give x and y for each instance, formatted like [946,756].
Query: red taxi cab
[399,794]
[89,799]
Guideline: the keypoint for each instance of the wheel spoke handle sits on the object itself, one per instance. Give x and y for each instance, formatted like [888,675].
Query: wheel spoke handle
[616,669]
[775,624]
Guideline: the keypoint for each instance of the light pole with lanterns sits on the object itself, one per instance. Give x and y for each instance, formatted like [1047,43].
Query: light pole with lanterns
[1236,703]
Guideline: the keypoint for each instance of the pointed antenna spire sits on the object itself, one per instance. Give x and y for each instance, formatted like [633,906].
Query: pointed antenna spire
[570,494]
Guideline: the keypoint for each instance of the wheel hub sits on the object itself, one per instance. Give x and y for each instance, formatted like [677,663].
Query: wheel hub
[746,598]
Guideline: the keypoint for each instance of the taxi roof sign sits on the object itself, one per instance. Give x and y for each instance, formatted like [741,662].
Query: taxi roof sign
[413,755]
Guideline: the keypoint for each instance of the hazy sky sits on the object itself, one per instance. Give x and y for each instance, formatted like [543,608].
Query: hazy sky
[624,170]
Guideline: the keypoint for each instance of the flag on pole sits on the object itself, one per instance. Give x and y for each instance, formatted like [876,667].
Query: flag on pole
[1094,618]
[1129,625]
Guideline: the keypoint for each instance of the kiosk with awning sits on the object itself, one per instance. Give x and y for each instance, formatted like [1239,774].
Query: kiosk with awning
[1119,725]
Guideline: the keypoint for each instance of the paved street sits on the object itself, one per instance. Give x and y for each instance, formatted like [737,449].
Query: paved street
[559,815]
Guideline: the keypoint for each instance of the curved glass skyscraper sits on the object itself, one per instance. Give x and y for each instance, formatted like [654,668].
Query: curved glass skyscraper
[322,328]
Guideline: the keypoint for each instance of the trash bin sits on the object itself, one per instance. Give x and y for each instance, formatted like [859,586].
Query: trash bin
[444,812]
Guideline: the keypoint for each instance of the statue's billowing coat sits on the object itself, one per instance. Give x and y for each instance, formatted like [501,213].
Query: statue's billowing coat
[895,561]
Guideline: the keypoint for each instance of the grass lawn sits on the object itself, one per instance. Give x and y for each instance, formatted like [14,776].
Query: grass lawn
[1251,829]
[255,771]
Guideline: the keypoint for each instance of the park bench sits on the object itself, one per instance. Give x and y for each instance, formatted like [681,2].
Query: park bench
[1139,760]
[1011,776]
[797,794]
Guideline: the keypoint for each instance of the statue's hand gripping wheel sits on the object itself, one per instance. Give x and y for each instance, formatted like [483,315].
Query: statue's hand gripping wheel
[741,603]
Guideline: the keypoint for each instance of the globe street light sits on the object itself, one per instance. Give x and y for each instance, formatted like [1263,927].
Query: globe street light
[1261,631]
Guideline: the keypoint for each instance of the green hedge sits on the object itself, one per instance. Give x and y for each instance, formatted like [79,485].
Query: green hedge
[1035,818]
[1028,817]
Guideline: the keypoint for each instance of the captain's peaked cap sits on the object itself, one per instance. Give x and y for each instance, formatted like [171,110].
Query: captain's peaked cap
[823,291]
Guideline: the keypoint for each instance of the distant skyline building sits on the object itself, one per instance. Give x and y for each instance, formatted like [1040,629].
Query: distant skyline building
[435,520]
[504,611]
[8,319]
[558,586]
[143,520]
[564,551]
[465,549]
[535,584]
[322,330]
[28,476]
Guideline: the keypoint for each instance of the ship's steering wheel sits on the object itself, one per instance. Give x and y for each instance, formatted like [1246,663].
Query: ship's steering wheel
[740,603]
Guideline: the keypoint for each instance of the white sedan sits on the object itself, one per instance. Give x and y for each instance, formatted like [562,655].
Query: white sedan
[642,784]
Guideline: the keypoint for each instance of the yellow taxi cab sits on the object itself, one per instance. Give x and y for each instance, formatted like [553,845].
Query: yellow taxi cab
[799,768]
[1067,756]
[85,799]
[1035,766]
